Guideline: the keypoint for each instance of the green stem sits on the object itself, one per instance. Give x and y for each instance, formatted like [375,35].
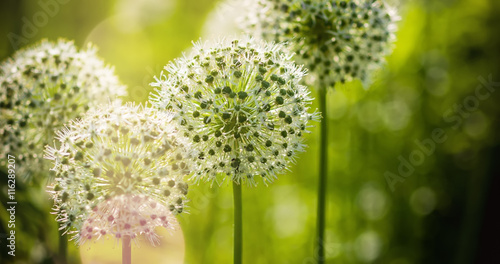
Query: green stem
[63,248]
[238,231]
[323,170]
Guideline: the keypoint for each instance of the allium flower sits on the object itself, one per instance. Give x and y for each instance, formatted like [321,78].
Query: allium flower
[43,87]
[241,105]
[112,157]
[338,41]
[127,215]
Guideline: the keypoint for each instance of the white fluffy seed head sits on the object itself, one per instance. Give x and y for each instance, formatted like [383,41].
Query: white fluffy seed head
[337,41]
[43,87]
[241,105]
[115,151]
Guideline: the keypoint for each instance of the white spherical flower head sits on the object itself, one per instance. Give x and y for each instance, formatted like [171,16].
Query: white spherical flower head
[115,151]
[338,41]
[127,215]
[242,107]
[43,87]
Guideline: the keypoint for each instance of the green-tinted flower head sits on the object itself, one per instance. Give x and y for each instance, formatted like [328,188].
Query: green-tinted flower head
[337,41]
[118,151]
[241,105]
[43,87]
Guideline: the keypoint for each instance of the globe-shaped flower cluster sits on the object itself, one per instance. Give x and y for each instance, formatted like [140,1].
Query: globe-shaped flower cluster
[241,105]
[43,87]
[338,41]
[112,157]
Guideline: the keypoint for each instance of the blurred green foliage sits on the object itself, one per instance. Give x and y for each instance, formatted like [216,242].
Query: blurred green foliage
[443,48]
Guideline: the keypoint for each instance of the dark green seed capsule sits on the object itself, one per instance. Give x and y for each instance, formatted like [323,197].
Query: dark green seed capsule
[242,95]
[226,90]
[65,197]
[171,183]
[235,163]
[249,147]
[209,79]
[79,156]
[242,118]
[207,120]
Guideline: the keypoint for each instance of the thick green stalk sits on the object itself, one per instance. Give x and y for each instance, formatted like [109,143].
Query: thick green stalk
[238,229]
[323,170]
[63,248]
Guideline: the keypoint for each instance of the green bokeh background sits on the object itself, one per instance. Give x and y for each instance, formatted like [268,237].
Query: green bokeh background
[438,214]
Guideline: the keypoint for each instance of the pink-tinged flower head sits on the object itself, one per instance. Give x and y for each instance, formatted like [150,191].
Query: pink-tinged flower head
[115,152]
[127,215]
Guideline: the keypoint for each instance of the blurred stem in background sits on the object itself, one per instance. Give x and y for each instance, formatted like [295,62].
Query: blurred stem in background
[323,170]
[238,231]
